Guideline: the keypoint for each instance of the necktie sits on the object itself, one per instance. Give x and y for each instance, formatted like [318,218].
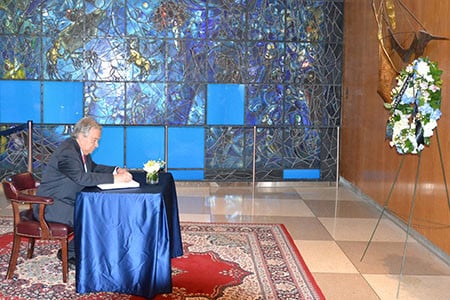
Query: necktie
[84,162]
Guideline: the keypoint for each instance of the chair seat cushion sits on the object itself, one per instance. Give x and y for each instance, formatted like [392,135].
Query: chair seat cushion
[32,229]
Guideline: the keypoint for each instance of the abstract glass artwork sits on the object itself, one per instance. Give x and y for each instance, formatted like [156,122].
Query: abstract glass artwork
[172,64]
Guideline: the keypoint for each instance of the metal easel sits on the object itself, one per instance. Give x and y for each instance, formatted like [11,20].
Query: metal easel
[411,209]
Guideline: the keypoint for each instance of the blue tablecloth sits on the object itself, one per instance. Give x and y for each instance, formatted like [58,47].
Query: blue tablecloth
[125,238]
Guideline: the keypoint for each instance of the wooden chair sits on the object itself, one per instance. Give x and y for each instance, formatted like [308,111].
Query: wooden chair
[20,189]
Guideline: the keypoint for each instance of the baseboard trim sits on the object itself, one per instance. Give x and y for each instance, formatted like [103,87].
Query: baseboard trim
[413,233]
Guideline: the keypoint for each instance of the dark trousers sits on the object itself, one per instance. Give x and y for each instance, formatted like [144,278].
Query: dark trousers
[59,212]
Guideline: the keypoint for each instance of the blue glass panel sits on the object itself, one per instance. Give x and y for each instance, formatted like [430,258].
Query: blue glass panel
[111,147]
[63,102]
[187,174]
[20,101]
[186,147]
[143,144]
[301,174]
[225,104]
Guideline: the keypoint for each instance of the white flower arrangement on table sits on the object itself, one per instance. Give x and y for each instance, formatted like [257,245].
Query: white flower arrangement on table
[415,107]
[152,167]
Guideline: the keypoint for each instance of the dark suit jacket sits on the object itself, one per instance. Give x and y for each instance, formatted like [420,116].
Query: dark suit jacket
[64,176]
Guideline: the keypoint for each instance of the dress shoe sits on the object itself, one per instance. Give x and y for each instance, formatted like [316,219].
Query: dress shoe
[70,261]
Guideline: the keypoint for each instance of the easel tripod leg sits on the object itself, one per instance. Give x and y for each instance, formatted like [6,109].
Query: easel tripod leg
[411,210]
[384,206]
[442,167]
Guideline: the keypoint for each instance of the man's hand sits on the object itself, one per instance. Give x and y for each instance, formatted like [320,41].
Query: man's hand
[122,176]
[121,170]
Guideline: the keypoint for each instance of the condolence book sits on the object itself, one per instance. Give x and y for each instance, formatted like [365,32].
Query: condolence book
[120,185]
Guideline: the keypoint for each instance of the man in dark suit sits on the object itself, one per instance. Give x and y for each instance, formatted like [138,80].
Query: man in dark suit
[69,170]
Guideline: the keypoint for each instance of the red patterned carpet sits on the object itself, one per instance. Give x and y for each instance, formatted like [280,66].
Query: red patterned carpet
[221,261]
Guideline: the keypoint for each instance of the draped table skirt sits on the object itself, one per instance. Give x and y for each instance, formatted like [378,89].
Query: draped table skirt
[125,239]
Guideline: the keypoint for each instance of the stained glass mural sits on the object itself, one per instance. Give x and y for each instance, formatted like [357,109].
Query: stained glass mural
[156,63]
[146,60]
[13,149]
[185,104]
[105,102]
[19,17]
[263,104]
[16,61]
[267,20]
[226,20]
[145,103]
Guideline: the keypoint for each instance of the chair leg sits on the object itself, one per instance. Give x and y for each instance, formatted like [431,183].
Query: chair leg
[30,250]
[14,256]
[65,265]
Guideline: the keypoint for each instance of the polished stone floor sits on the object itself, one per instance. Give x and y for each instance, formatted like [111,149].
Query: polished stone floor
[331,227]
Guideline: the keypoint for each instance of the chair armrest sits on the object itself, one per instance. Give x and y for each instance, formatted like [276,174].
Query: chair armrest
[32,199]
[26,196]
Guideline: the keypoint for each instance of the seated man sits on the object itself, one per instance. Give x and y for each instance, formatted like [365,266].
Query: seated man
[69,170]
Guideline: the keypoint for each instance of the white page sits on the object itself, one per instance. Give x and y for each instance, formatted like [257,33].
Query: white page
[119,185]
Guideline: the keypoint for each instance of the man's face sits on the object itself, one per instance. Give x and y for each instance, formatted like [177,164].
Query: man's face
[90,142]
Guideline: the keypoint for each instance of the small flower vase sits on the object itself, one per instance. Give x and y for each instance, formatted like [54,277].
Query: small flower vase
[152,178]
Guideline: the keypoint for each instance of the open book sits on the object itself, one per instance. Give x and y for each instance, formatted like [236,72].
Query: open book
[119,185]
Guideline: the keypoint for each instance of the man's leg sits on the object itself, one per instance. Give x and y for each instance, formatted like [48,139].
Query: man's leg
[61,212]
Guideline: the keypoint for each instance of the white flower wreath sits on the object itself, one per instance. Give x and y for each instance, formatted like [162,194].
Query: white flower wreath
[415,106]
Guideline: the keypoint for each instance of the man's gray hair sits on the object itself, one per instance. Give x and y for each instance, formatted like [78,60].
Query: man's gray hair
[83,127]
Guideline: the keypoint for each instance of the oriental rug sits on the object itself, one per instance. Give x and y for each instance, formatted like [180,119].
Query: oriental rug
[220,261]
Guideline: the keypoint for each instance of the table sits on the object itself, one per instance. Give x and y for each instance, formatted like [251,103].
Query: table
[125,239]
